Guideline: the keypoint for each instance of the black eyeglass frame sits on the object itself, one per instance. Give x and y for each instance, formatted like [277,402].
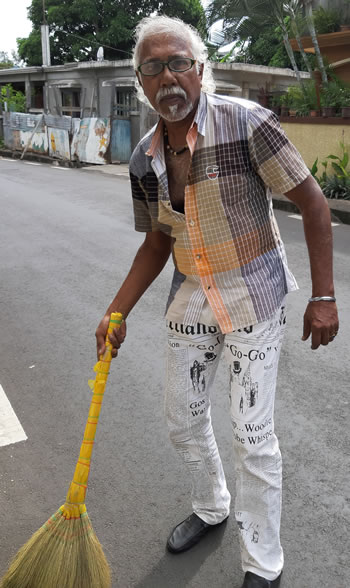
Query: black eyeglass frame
[167,63]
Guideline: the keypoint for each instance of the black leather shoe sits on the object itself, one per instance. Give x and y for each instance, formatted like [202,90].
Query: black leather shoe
[253,581]
[188,533]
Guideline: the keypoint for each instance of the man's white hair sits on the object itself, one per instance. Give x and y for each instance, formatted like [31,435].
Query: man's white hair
[152,26]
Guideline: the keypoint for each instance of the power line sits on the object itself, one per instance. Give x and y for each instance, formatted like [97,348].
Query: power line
[93,41]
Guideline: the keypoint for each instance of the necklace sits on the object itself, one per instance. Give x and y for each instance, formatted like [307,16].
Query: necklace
[167,145]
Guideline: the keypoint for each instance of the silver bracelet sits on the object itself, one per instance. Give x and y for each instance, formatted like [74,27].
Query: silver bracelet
[319,298]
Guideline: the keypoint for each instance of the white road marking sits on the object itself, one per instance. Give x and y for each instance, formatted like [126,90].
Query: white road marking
[299,217]
[59,167]
[7,159]
[11,430]
[31,163]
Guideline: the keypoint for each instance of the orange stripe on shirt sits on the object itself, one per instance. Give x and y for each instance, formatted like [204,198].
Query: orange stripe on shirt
[198,248]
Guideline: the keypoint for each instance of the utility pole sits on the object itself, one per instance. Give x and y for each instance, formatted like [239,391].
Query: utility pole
[45,41]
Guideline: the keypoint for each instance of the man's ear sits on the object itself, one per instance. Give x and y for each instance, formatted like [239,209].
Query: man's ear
[200,71]
[139,78]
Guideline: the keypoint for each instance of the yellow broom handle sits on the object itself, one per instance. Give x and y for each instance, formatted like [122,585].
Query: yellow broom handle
[77,490]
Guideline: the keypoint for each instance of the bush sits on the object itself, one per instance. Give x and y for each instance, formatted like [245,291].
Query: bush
[16,100]
[301,99]
[336,187]
[331,95]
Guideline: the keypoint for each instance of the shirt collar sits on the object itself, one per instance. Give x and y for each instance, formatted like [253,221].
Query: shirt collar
[201,114]
[198,126]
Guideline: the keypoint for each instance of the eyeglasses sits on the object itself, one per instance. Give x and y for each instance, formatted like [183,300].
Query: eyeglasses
[153,68]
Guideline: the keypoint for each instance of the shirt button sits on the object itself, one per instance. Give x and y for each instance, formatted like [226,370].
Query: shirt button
[198,256]
[191,223]
[208,287]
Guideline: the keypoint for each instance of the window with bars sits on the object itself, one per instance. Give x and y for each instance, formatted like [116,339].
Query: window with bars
[71,102]
[125,101]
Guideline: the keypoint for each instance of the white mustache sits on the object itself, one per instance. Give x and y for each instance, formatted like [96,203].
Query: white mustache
[162,92]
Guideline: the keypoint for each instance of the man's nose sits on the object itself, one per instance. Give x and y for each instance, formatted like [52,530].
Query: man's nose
[167,76]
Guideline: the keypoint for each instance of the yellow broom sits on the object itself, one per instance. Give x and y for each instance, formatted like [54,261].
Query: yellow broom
[65,552]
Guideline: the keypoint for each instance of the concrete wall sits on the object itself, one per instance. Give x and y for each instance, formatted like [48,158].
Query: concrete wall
[316,140]
[335,4]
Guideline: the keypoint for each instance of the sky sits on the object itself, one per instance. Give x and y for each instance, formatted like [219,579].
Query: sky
[14,23]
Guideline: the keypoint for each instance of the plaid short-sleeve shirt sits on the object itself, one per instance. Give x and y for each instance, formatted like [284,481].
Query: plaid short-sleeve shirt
[227,248]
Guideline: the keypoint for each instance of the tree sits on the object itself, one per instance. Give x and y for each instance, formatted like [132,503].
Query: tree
[12,100]
[247,17]
[311,26]
[265,48]
[5,61]
[293,9]
[79,27]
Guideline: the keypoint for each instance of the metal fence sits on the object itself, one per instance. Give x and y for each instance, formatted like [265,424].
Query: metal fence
[61,137]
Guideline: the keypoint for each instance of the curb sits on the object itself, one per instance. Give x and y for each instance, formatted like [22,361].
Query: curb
[340,209]
[29,156]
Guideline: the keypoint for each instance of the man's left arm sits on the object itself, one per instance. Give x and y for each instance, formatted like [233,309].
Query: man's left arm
[320,318]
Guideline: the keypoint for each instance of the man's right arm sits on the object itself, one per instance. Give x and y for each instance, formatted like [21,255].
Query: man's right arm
[147,265]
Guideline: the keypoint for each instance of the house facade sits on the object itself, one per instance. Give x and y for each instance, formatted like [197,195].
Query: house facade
[106,89]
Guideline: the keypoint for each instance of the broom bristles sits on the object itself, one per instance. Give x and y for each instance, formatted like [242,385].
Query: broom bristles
[61,554]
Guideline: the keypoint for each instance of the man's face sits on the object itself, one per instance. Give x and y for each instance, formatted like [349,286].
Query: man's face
[174,95]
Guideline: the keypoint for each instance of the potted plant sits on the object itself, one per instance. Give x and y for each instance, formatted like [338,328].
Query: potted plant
[285,104]
[313,99]
[345,101]
[297,101]
[275,104]
[331,98]
[308,100]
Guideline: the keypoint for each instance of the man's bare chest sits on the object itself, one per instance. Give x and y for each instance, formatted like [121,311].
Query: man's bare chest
[177,171]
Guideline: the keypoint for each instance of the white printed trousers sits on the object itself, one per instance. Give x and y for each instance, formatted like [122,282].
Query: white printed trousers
[252,355]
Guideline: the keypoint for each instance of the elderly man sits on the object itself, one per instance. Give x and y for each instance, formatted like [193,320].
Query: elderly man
[201,186]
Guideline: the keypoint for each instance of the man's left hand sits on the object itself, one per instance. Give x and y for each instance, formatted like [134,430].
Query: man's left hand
[321,321]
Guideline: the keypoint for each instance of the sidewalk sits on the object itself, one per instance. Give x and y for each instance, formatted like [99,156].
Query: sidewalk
[112,169]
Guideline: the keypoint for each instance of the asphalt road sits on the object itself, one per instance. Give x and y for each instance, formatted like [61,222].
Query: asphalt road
[67,240]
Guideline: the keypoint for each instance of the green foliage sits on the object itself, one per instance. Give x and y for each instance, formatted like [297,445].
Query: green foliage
[302,99]
[5,61]
[344,97]
[326,21]
[340,164]
[79,27]
[296,96]
[15,100]
[336,185]
[276,100]
[29,49]
[263,24]
[265,48]
[334,94]
[286,100]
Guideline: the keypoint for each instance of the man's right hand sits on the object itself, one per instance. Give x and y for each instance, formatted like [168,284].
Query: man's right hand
[116,338]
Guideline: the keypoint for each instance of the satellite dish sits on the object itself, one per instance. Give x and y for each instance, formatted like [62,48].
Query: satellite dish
[100,54]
